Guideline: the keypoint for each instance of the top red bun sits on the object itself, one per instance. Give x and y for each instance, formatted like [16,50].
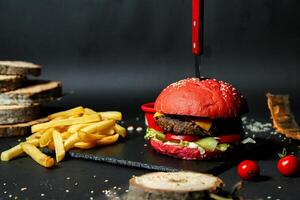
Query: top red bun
[201,98]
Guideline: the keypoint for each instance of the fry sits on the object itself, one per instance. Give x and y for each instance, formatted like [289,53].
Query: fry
[66,134]
[89,137]
[65,122]
[114,115]
[16,150]
[65,114]
[88,111]
[51,146]
[68,144]
[46,138]
[99,126]
[84,145]
[108,140]
[37,155]
[59,146]
[76,127]
[120,130]
[36,135]
[109,131]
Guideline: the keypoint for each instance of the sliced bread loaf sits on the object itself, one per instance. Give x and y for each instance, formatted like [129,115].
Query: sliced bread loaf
[36,91]
[172,185]
[19,68]
[11,82]
[19,129]
[11,114]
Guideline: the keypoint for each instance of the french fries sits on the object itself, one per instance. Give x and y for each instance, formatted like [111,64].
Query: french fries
[65,122]
[59,146]
[114,115]
[16,150]
[79,127]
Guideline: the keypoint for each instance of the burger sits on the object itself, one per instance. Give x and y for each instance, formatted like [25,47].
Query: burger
[197,119]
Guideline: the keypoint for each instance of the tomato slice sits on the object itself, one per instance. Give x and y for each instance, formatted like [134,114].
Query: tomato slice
[177,138]
[231,138]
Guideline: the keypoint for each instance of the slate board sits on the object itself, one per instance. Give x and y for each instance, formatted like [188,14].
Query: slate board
[133,152]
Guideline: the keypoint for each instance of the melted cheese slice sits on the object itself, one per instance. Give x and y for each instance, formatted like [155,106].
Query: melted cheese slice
[203,123]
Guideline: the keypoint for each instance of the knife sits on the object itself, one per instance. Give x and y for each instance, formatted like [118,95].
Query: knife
[197,33]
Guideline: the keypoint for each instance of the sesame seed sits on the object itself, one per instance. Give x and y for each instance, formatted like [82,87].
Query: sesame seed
[19,140]
[119,188]
[10,196]
[4,184]
[139,129]
[115,187]
[16,197]
[105,180]
[94,176]
[75,183]
[130,128]
[126,191]
[279,187]
[91,198]
[92,191]
[68,178]
[269,197]
[42,194]
[67,190]
[5,192]
[23,189]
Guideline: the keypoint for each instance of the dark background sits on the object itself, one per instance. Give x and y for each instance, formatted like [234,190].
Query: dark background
[118,54]
[107,50]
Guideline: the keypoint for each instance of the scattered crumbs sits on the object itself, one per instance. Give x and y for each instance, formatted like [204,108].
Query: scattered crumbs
[269,197]
[115,187]
[5,192]
[256,126]
[16,197]
[139,129]
[92,191]
[279,187]
[42,194]
[115,193]
[67,190]
[91,198]
[94,176]
[68,178]
[10,196]
[119,188]
[75,183]
[126,191]
[23,189]
[4,184]
[105,181]
[19,140]
[130,128]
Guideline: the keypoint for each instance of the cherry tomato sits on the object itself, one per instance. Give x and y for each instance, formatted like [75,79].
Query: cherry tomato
[177,138]
[231,138]
[248,170]
[288,165]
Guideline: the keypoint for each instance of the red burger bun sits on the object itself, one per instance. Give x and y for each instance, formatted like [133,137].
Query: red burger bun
[201,98]
[182,152]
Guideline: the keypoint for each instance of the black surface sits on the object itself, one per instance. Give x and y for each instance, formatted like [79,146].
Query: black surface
[116,55]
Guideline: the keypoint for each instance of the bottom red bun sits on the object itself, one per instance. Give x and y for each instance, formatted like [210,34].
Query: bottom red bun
[182,152]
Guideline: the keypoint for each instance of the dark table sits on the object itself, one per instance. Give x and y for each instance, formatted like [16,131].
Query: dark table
[81,179]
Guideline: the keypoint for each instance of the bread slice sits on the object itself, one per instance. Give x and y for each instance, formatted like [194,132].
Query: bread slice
[11,114]
[19,129]
[19,68]
[11,82]
[36,91]
[283,119]
[173,185]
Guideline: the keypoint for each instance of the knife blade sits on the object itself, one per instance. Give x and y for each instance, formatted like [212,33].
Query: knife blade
[197,33]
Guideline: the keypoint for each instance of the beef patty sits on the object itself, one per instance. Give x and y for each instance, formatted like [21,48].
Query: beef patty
[183,125]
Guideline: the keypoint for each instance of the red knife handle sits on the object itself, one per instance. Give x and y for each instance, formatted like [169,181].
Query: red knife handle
[197,27]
